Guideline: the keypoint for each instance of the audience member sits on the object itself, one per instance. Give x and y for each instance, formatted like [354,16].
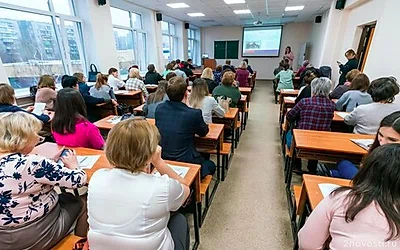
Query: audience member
[242,75]
[134,83]
[70,126]
[208,76]
[199,99]
[178,124]
[185,68]
[170,75]
[284,78]
[227,90]
[190,62]
[364,215]
[305,91]
[101,89]
[8,103]
[113,79]
[357,94]
[341,89]
[366,118]
[33,215]
[251,71]
[155,99]
[69,82]
[218,74]
[228,66]
[180,73]
[152,76]
[302,68]
[46,92]
[351,64]
[141,202]
[168,69]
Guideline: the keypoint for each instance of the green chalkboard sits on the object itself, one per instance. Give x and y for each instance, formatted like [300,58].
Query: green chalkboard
[232,49]
[219,49]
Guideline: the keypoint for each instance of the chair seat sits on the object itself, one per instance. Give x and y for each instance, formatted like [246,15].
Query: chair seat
[226,149]
[67,243]
[205,183]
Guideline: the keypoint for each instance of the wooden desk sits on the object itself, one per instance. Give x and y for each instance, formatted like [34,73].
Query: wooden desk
[151,88]
[296,82]
[286,92]
[197,73]
[338,124]
[284,106]
[132,98]
[245,90]
[230,122]
[138,109]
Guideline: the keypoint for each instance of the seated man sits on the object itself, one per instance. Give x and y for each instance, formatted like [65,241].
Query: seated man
[178,124]
[228,66]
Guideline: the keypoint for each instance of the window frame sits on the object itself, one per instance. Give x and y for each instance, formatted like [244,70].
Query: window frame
[195,50]
[62,40]
[173,39]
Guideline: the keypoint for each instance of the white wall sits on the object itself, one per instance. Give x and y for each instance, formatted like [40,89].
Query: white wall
[317,39]
[294,34]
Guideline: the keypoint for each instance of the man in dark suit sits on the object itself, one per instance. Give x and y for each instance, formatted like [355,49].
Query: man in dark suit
[178,124]
[228,66]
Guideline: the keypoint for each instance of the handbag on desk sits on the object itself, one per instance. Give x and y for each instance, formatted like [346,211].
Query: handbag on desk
[224,103]
[92,73]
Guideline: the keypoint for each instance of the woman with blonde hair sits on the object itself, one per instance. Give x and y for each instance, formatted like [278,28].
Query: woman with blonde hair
[46,92]
[208,76]
[242,75]
[33,215]
[134,82]
[200,99]
[227,90]
[141,201]
[101,89]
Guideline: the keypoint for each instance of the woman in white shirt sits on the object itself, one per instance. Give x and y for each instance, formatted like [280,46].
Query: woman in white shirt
[199,99]
[113,79]
[128,206]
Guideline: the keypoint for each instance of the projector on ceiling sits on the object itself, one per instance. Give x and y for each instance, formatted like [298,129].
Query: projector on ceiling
[258,23]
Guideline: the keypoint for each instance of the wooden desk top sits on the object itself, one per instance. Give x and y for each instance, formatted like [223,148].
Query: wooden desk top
[151,87]
[314,192]
[130,93]
[50,150]
[243,98]
[231,114]
[332,142]
[286,92]
[245,90]
[139,108]
[287,100]
[338,118]
[214,133]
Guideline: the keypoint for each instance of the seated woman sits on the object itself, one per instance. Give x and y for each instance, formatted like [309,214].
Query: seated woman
[314,113]
[305,91]
[46,92]
[218,75]
[168,68]
[227,90]
[185,68]
[8,103]
[200,99]
[284,78]
[70,126]
[134,83]
[155,99]
[388,132]
[152,76]
[366,118]
[357,94]
[251,71]
[101,89]
[341,89]
[141,202]
[302,68]
[242,75]
[33,215]
[364,215]
[208,76]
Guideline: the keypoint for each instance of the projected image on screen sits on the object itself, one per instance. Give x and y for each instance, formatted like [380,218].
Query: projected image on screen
[261,41]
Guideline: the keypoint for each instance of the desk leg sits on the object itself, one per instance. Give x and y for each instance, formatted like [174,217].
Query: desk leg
[196,221]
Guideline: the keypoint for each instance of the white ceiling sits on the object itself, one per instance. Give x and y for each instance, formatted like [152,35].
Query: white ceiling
[218,13]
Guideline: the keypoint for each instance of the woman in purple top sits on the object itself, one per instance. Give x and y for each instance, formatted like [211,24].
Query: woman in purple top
[242,75]
[70,126]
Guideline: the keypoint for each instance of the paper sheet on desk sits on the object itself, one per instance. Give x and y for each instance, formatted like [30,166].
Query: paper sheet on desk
[289,90]
[364,143]
[342,114]
[151,85]
[39,108]
[327,188]
[181,171]
[115,120]
[291,98]
[121,92]
[84,161]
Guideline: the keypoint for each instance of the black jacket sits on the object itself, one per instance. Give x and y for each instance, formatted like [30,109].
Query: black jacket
[152,78]
[344,69]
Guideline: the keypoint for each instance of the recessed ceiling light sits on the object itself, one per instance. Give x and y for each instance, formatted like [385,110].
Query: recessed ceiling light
[178,5]
[294,8]
[234,1]
[238,12]
[195,14]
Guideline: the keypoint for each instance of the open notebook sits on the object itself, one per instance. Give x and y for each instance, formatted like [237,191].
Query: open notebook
[181,171]
[291,98]
[342,114]
[364,143]
[327,188]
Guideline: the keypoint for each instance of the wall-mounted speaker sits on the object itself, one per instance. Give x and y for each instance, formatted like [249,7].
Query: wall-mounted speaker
[318,19]
[187,26]
[102,2]
[340,4]
[158,17]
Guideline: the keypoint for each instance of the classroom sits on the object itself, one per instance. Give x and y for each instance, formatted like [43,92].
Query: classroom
[201,125]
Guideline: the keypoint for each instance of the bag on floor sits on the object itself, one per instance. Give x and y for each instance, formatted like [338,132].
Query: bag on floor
[323,170]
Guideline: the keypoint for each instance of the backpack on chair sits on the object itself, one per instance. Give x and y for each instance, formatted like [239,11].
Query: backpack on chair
[325,71]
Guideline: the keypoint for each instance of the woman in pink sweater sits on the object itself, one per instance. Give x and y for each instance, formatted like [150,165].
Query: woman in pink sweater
[242,75]
[70,126]
[364,216]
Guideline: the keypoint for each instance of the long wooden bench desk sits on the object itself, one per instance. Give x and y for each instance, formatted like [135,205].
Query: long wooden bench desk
[288,92]
[131,98]
[288,102]
[230,121]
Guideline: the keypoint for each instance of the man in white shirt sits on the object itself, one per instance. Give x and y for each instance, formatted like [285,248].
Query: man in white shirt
[113,79]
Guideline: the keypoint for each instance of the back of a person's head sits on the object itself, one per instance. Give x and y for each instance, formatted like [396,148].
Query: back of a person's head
[134,73]
[383,89]
[170,75]
[139,140]
[305,63]
[151,68]
[158,96]
[352,74]
[321,86]
[243,65]
[310,75]
[189,60]
[218,68]
[199,91]
[69,108]
[228,78]
[80,76]
[350,52]
[246,60]
[18,130]
[7,94]
[176,89]
[286,61]
[228,62]
[100,80]
[178,61]
[169,66]
[134,66]
[46,81]
[69,82]
[286,66]
[377,183]
[360,82]
[207,74]
[112,70]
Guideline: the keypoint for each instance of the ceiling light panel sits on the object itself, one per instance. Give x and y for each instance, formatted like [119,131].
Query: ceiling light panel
[234,1]
[177,5]
[197,14]
[240,12]
[294,8]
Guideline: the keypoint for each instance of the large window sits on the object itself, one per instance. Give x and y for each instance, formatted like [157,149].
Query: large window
[130,40]
[194,46]
[170,41]
[39,37]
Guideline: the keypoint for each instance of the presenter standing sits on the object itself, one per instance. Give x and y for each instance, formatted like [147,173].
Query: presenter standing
[352,63]
[289,56]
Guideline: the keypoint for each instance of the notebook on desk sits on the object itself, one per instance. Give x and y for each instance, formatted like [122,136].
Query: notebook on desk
[327,188]
[181,171]
[118,92]
[291,98]
[364,143]
[342,114]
